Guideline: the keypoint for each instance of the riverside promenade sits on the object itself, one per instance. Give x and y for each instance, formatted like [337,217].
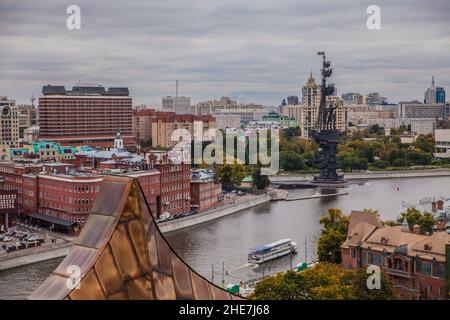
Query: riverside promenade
[33,255]
[369,175]
[241,203]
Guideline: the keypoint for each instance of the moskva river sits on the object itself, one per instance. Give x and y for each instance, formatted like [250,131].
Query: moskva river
[223,244]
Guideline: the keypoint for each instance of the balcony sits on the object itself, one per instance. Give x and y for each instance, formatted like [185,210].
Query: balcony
[399,273]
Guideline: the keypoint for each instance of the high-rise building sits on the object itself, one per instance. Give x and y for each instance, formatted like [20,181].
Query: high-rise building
[85,115]
[179,105]
[311,102]
[440,95]
[352,98]
[142,125]
[292,100]
[373,99]
[430,93]
[9,122]
[434,94]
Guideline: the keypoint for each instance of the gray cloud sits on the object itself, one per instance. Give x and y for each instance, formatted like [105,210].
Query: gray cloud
[252,50]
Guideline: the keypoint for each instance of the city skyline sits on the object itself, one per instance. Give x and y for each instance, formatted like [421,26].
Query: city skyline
[251,52]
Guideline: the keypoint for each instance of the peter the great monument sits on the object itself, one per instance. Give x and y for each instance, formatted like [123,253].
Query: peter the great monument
[325,133]
[122,255]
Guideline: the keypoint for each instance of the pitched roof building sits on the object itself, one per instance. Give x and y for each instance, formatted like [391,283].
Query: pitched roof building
[415,262]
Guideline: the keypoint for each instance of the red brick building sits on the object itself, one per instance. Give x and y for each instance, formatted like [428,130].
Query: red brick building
[68,196]
[8,209]
[85,115]
[62,195]
[12,173]
[205,190]
[415,262]
[174,184]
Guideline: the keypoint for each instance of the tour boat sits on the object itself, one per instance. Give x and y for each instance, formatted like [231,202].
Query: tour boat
[272,251]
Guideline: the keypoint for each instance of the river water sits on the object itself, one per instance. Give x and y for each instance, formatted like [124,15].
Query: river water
[225,242]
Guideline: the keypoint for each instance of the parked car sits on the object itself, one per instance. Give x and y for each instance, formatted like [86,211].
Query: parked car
[31,238]
[6,239]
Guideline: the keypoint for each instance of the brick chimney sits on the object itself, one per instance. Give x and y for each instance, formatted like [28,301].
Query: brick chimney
[441,224]
[440,205]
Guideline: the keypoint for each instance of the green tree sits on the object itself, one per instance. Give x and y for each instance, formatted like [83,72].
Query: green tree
[325,281]
[230,175]
[260,181]
[413,216]
[425,142]
[291,161]
[334,232]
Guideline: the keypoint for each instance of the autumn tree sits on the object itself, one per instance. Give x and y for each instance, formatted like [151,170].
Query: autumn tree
[325,281]
[413,216]
[334,232]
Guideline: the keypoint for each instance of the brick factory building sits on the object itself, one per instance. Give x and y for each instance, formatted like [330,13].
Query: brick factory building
[66,193]
[205,190]
[165,123]
[8,209]
[85,115]
[13,179]
[174,184]
[61,195]
[415,262]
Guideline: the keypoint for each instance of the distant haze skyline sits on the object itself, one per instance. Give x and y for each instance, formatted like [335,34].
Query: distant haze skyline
[251,51]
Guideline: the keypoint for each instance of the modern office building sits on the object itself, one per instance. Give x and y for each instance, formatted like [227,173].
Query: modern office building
[422,110]
[85,115]
[440,95]
[179,105]
[9,122]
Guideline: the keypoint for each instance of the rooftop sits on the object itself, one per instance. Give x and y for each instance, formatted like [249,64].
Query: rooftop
[85,90]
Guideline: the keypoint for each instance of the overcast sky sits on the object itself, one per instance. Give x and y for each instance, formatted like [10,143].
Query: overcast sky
[251,50]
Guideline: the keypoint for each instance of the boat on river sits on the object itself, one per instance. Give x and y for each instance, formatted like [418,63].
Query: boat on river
[272,251]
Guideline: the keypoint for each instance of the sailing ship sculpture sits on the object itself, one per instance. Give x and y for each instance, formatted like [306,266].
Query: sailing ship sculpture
[121,254]
[325,133]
